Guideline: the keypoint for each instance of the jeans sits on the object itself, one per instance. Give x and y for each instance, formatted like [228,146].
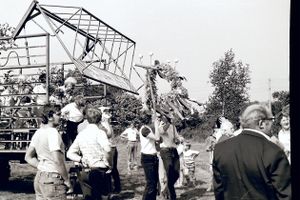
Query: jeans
[171,163]
[114,171]
[94,183]
[50,186]
[150,165]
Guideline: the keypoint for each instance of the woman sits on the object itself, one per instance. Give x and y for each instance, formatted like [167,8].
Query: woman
[149,159]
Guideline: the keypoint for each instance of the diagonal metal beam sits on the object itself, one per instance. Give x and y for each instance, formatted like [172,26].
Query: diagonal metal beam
[25,19]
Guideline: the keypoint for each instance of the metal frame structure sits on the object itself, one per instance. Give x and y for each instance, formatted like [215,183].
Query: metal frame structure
[17,61]
[98,51]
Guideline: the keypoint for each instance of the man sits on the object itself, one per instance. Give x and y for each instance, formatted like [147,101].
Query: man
[249,165]
[168,151]
[131,134]
[105,125]
[149,159]
[46,153]
[91,148]
[73,113]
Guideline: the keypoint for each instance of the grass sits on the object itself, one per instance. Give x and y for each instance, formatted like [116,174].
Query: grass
[20,186]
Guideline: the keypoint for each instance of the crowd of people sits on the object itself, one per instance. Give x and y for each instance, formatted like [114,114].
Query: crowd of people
[246,163]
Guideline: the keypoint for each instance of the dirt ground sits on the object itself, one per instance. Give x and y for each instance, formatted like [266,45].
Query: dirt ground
[20,186]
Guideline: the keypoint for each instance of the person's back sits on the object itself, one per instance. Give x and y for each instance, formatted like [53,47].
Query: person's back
[88,142]
[249,173]
[250,166]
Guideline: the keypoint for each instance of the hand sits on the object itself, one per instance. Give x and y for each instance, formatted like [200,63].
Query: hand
[69,187]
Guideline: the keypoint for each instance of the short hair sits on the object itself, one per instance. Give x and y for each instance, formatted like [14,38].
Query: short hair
[48,112]
[93,115]
[252,114]
[79,100]
[42,77]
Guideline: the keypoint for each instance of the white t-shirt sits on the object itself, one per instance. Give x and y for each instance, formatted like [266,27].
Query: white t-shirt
[285,139]
[131,134]
[46,140]
[189,158]
[147,144]
[40,99]
[72,112]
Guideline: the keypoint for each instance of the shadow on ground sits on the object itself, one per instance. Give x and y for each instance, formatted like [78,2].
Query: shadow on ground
[19,185]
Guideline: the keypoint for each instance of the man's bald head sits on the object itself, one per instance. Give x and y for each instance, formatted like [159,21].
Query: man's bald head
[253,113]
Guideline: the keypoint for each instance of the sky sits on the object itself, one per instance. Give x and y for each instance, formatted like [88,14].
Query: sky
[196,33]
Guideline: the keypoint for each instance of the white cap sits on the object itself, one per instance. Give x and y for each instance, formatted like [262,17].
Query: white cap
[70,80]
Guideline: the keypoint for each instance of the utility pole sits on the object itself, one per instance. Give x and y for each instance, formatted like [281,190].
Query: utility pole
[270,94]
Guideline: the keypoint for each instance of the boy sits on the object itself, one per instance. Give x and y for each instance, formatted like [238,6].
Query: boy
[189,164]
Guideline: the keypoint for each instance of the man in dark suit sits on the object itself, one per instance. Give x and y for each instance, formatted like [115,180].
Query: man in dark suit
[250,166]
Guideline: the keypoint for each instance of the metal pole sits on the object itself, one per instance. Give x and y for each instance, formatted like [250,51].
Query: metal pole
[47,66]
[270,95]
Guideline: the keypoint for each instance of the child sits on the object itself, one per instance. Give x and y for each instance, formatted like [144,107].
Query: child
[189,164]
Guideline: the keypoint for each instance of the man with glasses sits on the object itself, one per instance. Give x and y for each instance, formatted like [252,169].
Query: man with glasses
[250,166]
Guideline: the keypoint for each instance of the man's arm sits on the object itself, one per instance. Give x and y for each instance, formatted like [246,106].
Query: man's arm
[280,176]
[31,157]
[217,181]
[108,127]
[59,160]
[73,152]
[124,134]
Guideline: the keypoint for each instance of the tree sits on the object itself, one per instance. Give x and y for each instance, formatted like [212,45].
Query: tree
[6,31]
[229,79]
[127,110]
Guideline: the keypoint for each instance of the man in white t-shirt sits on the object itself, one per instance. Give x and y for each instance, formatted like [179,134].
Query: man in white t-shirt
[46,153]
[131,134]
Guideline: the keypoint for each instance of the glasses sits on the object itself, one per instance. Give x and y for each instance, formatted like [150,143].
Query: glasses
[270,119]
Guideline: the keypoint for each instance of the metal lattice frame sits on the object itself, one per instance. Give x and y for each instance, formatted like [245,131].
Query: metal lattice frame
[99,51]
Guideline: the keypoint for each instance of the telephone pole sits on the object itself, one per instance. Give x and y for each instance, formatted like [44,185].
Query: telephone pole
[270,94]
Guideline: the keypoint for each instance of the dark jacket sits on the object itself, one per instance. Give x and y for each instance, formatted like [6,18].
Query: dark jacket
[249,166]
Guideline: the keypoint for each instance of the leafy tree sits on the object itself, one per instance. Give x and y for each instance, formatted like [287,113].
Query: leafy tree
[229,79]
[127,110]
[6,31]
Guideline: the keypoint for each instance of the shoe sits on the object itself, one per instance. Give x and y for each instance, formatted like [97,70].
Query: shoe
[116,191]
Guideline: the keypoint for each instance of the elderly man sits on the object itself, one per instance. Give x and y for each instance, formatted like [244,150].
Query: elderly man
[250,166]
[91,148]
